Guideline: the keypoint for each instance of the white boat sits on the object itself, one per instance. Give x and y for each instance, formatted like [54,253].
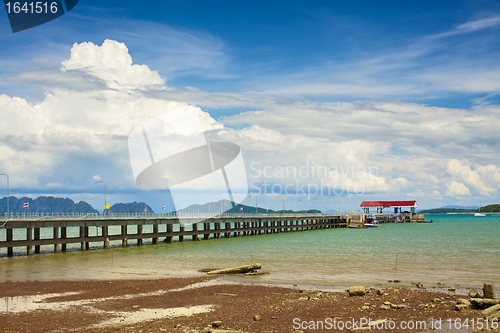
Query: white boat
[479,212]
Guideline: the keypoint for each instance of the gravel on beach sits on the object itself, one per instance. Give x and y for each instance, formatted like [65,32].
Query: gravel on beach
[207,304]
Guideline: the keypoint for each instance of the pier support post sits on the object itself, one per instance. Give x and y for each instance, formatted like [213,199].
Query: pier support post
[124,235]
[29,248]
[170,231]
[139,233]
[217,230]
[87,243]
[155,231]
[63,236]
[206,227]
[106,238]
[37,237]
[181,234]
[82,236]
[195,230]
[10,249]
[57,246]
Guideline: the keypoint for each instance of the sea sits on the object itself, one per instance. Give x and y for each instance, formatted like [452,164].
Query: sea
[458,250]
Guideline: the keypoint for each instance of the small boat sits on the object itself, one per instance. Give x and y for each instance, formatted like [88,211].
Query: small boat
[352,226]
[371,222]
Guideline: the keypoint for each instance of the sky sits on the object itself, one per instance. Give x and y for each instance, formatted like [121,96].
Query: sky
[331,103]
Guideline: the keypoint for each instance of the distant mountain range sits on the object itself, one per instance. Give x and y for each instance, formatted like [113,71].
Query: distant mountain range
[230,207]
[445,210]
[49,205]
[65,205]
[461,209]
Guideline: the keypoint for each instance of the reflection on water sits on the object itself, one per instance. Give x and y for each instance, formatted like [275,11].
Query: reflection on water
[458,250]
[118,318]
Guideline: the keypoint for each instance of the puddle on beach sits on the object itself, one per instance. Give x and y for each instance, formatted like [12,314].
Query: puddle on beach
[31,303]
[20,304]
[142,315]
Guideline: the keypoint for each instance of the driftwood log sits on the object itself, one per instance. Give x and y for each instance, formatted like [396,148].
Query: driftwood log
[237,270]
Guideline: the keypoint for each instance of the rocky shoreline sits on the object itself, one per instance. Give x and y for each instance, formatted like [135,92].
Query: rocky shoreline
[211,304]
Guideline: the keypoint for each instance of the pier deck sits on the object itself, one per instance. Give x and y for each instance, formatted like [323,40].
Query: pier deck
[201,227]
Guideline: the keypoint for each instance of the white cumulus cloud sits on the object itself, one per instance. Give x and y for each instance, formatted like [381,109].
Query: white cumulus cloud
[468,176]
[456,189]
[112,63]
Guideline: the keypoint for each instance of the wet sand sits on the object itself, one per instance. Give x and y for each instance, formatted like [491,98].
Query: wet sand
[193,304]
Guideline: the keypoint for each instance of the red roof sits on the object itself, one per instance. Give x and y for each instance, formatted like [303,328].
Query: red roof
[384,204]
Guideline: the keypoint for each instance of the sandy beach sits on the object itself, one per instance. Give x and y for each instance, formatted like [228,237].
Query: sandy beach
[215,304]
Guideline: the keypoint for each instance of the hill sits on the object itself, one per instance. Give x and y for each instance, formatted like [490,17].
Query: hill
[65,205]
[215,207]
[133,207]
[45,205]
[225,206]
[495,208]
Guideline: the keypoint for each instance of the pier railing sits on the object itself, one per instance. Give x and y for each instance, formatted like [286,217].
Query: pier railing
[35,216]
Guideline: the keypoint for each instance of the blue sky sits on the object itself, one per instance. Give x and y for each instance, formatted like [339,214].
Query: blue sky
[408,88]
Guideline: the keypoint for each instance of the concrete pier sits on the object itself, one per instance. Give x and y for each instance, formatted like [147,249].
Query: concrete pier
[163,229]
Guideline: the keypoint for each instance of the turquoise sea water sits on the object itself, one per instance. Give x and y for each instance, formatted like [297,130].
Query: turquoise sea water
[455,250]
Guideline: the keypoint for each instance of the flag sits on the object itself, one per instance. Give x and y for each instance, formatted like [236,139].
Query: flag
[106,207]
[26,205]
[336,210]
[164,207]
[241,209]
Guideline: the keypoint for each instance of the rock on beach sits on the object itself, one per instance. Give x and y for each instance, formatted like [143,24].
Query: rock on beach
[357,291]
[489,291]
